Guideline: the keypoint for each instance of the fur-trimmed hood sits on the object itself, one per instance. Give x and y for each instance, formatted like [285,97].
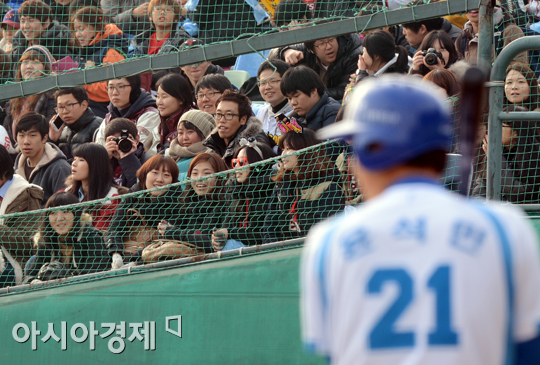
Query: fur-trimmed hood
[216,144]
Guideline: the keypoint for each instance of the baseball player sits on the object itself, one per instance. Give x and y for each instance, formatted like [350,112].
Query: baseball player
[417,274]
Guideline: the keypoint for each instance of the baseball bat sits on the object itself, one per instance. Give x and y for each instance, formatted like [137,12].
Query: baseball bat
[470,107]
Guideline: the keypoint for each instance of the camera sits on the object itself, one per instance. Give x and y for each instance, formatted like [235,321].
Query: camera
[431,56]
[123,142]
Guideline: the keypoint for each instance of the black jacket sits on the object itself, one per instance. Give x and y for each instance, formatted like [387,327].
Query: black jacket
[89,255]
[244,219]
[339,72]
[197,218]
[520,177]
[56,39]
[171,44]
[82,131]
[252,128]
[153,209]
[125,169]
[295,206]
[323,113]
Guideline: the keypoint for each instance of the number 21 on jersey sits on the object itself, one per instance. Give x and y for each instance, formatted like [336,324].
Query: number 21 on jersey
[383,334]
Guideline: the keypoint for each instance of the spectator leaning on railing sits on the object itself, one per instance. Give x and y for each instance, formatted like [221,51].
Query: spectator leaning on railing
[39,28]
[99,44]
[136,220]
[80,122]
[68,245]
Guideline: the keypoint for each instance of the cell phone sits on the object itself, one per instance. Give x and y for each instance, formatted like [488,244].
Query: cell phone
[281,116]
[57,122]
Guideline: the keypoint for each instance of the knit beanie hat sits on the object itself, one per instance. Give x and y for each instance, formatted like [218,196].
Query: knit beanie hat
[43,50]
[202,120]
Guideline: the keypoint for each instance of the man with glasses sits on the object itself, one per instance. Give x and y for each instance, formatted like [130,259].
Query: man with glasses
[234,121]
[269,81]
[79,121]
[334,59]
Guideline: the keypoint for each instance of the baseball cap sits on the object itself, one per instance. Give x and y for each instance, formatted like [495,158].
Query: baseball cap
[11,19]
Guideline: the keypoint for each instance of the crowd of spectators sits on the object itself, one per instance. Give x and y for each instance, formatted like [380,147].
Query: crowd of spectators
[253,173]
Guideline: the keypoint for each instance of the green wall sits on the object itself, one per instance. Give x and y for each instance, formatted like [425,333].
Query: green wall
[242,310]
[235,311]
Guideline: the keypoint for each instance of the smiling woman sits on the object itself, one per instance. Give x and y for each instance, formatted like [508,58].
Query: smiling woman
[202,205]
[145,210]
[68,245]
[34,63]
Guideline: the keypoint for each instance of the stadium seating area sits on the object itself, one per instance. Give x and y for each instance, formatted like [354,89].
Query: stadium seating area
[221,154]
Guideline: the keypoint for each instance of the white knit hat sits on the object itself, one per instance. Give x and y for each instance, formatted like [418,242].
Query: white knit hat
[202,120]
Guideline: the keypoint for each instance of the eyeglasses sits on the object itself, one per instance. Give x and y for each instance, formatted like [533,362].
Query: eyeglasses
[227,116]
[325,43]
[272,83]
[240,162]
[67,108]
[209,95]
[166,10]
[118,88]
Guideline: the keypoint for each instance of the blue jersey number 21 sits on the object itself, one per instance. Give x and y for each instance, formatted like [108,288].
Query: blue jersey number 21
[383,335]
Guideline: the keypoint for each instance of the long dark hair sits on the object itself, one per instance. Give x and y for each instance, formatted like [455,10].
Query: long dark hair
[176,86]
[100,173]
[60,199]
[380,43]
[445,42]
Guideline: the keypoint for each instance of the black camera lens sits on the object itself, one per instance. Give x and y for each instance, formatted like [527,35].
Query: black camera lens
[124,145]
[431,59]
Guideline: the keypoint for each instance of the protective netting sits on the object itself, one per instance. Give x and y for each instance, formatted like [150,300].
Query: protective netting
[273,200]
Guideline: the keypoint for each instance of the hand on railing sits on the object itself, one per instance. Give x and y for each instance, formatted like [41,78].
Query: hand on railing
[117,261]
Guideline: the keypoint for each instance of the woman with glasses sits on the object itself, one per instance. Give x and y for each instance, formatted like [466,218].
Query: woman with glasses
[98,43]
[248,194]
[208,91]
[269,82]
[234,121]
[173,100]
[129,101]
[35,62]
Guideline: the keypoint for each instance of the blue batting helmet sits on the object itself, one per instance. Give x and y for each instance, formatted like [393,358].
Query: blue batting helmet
[392,120]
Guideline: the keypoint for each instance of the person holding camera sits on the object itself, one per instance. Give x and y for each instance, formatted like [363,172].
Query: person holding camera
[436,51]
[75,123]
[126,152]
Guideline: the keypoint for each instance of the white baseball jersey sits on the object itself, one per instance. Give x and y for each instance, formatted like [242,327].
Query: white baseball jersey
[419,275]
